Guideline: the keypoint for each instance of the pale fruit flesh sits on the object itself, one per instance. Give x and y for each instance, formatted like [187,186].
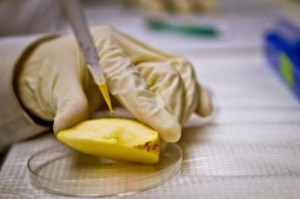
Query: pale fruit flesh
[118,139]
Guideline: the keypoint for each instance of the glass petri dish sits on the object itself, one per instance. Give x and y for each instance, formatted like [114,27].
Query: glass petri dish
[63,171]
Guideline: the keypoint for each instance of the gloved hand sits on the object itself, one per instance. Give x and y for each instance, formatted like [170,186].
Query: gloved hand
[158,88]
[175,6]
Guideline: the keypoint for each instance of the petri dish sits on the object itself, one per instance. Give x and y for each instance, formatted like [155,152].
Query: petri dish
[63,171]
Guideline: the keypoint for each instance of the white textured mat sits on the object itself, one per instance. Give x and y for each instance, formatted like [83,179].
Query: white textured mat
[250,150]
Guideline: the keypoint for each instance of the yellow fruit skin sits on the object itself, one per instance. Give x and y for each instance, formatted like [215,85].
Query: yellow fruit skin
[118,139]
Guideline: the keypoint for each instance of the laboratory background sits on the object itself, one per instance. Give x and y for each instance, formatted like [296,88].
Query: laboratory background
[245,55]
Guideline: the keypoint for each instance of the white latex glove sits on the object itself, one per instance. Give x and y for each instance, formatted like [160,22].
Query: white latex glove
[158,88]
[175,6]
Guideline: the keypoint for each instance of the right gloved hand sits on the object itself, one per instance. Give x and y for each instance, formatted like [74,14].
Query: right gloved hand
[175,6]
[158,88]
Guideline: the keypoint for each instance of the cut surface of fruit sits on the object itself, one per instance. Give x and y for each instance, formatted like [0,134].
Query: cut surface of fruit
[116,138]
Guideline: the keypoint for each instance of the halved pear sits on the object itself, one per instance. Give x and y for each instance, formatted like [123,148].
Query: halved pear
[118,139]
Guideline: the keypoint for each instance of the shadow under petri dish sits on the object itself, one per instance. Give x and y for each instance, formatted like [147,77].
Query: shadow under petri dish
[63,171]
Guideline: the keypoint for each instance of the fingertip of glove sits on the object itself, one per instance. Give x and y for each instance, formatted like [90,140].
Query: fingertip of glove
[170,132]
[70,114]
[205,106]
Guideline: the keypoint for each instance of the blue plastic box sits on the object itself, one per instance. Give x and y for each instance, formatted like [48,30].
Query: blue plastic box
[282,49]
